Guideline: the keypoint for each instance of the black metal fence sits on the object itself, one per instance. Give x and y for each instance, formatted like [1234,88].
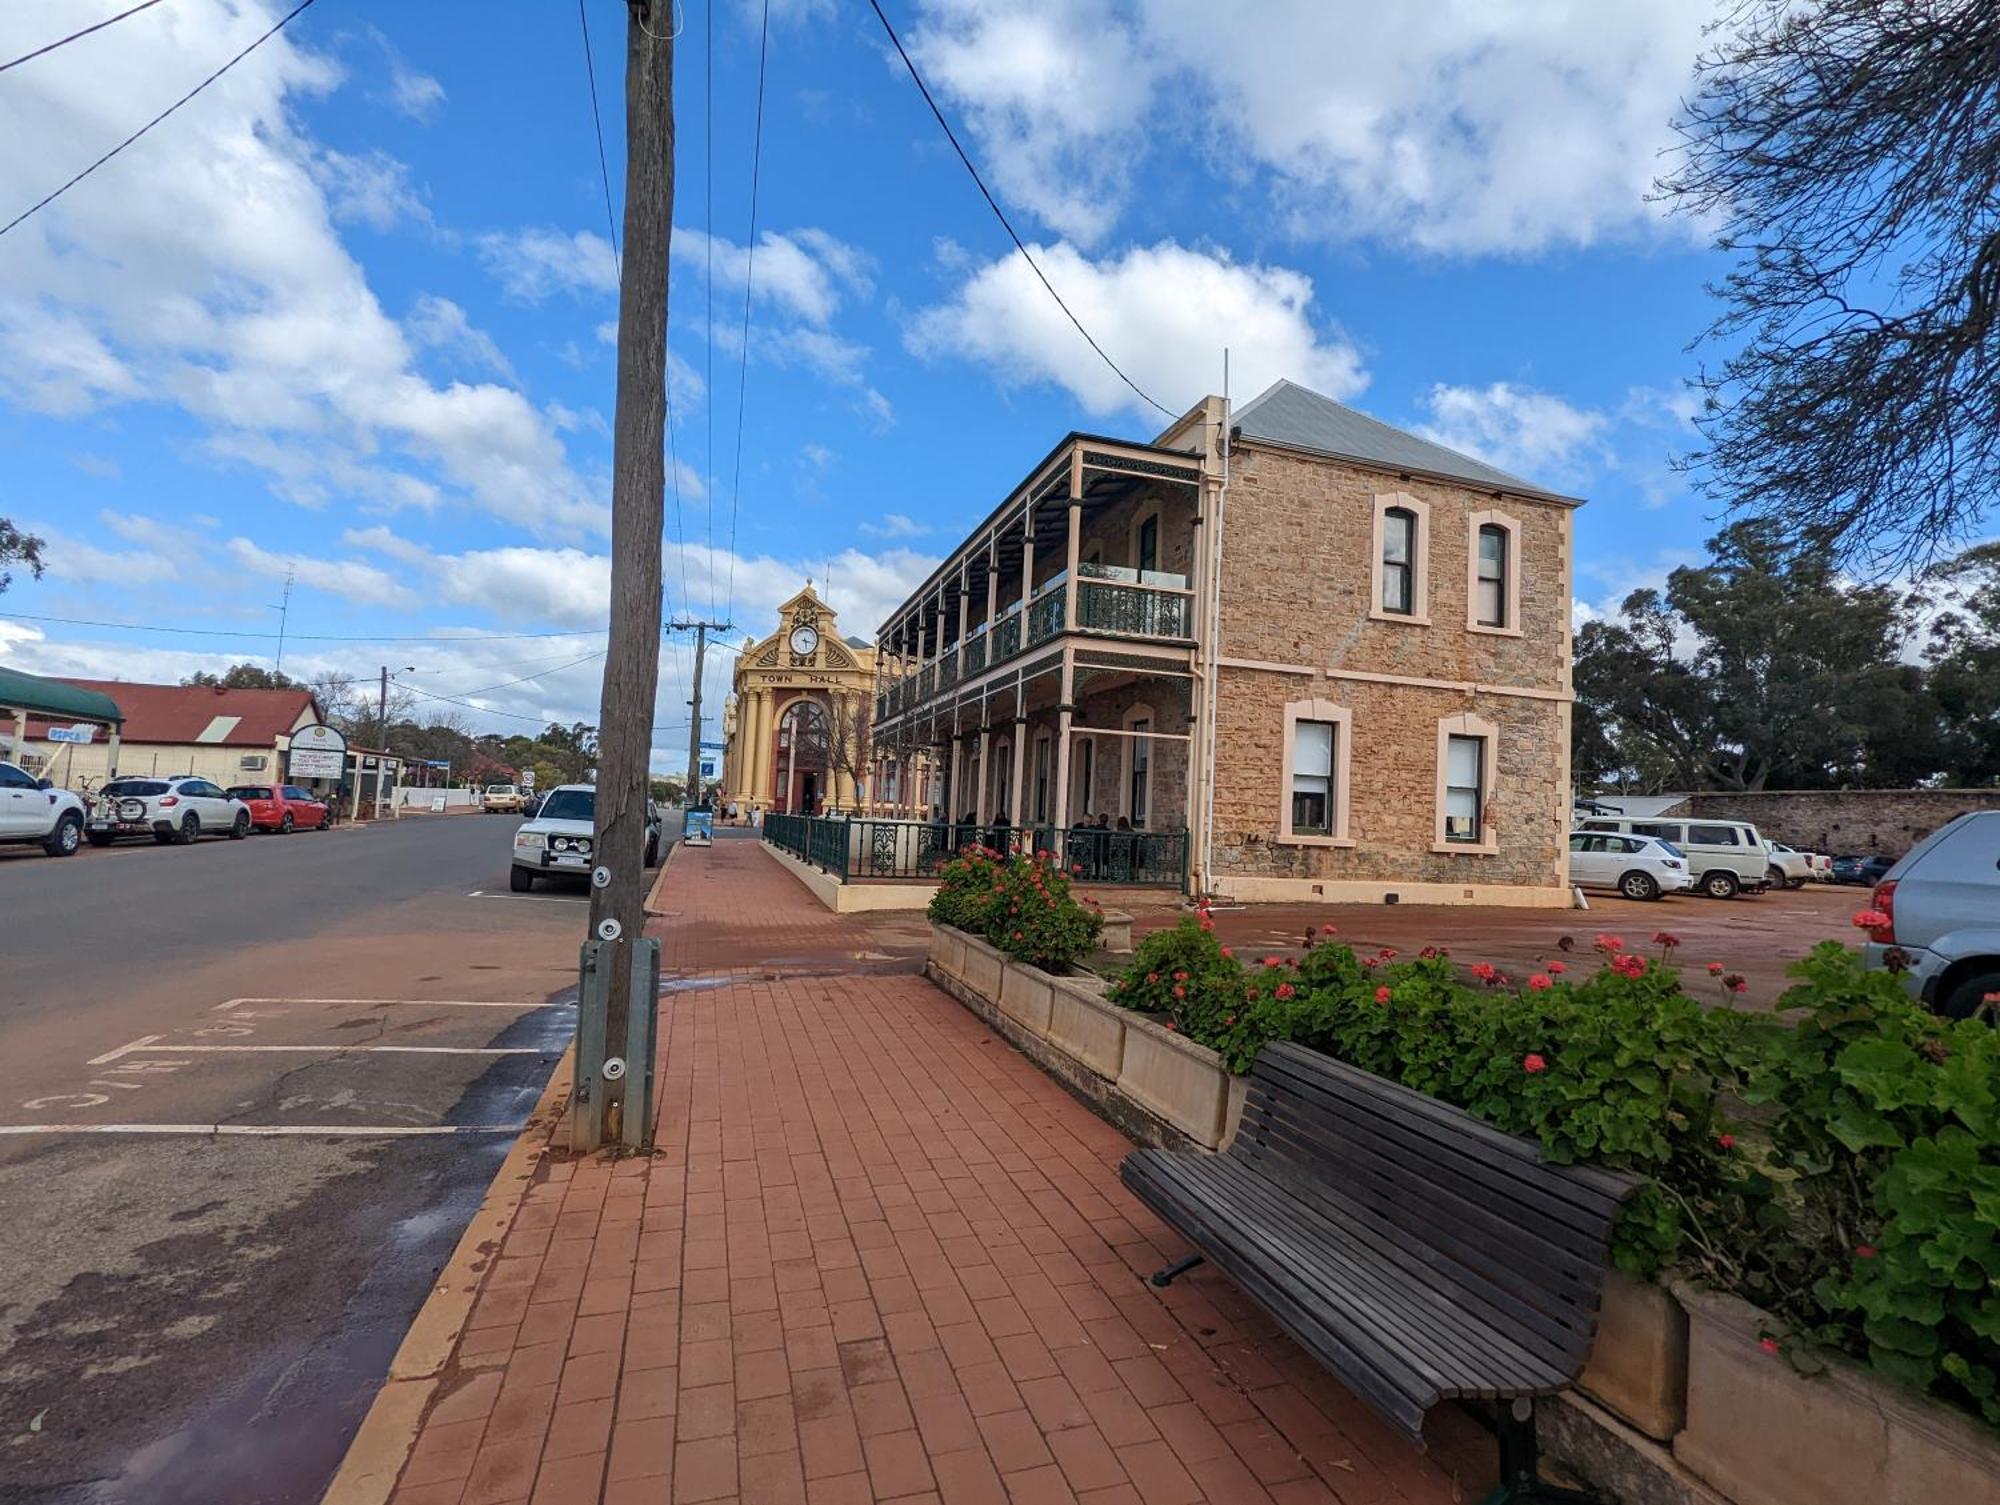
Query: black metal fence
[853,848]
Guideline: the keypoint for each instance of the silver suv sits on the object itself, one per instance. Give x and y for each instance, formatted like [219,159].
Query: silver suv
[182,808]
[1942,907]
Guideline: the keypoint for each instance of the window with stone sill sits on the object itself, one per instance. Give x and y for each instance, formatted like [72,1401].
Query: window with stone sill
[1313,802]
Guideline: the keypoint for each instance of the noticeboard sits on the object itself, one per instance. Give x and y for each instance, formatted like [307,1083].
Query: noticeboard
[317,752]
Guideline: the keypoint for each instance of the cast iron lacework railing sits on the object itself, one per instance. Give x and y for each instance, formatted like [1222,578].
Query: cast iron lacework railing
[927,682]
[1045,615]
[1140,611]
[948,669]
[853,849]
[974,655]
[1006,637]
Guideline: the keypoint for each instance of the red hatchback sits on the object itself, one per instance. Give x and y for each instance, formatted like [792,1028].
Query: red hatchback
[284,808]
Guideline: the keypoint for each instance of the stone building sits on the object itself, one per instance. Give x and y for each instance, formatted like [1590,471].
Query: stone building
[796,726]
[1300,653]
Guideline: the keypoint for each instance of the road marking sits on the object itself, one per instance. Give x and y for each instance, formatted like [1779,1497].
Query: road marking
[337,1049]
[111,1055]
[268,1131]
[376,1003]
[480,893]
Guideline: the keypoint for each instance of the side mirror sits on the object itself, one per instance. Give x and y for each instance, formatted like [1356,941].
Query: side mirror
[44,784]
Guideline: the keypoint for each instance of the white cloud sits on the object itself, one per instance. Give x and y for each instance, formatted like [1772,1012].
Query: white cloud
[536,263]
[373,190]
[1508,127]
[1534,435]
[440,324]
[205,271]
[895,525]
[349,579]
[1163,312]
[805,272]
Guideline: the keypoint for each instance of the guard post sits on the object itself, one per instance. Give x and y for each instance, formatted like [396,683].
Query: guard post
[598,1063]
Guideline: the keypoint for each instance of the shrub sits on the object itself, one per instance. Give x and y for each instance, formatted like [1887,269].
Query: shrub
[1022,904]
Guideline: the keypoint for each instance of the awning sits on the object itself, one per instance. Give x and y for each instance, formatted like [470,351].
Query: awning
[55,699]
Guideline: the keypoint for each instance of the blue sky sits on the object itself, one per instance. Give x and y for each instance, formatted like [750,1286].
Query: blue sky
[346,314]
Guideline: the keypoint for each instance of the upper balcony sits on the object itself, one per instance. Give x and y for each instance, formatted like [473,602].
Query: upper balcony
[1097,543]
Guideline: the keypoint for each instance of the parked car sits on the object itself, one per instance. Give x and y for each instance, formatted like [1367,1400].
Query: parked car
[560,837]
[1866,871]
[1639,867]
[501,799]
[34,810]
[1941,904]
[1789,868]
[1725,856]
[182,808]
[1819,866]
[283,808]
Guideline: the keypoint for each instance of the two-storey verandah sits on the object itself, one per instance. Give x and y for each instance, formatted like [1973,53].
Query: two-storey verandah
[1051,662]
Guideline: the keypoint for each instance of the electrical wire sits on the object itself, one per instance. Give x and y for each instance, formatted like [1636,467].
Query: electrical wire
[603,165]
[749,285]
[708,277]
[43,203]
[1001,214]
[301,637]
[76,35]
[454,700]
[506,684]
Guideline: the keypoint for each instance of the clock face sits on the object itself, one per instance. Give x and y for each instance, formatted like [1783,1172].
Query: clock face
[804,640]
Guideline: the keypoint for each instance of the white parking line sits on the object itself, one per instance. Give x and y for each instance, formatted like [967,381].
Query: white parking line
[376,1003]
[480,893]
[336,1049]
[124,1050]
[269,1131]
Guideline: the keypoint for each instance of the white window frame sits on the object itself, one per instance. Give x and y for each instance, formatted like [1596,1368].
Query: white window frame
[1419,614]
[1126,769]
[1082,760]
[1342,719]
[1468,725]
[1511,526]
[1041,791]
[1001,775]
[1139,521]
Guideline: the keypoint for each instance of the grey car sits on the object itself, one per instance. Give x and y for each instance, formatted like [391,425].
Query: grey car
[1943,906]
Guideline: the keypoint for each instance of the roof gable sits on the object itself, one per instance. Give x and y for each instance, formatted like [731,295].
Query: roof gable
[1287,413]
[204,714]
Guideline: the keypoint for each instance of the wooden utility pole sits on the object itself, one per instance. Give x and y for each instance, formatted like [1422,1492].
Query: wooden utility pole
[605,1078]
[701,631]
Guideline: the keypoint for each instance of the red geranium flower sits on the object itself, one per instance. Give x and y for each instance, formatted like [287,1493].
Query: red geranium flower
[1326,930]
[1715,969]
[1627,965]
[1227,952]
[1387,953]
[1017,935]
[1286,990]
[1607,942]
[1381,995]
[1272,961]
[1666,938]
[1152,977]
[1485,971]
[1179,991]
[1737,984]
[1180,977]
[1540,982]
[1726,1141]
[1864,1251]
[1769,1345]
[1532,1063]
[1558,968]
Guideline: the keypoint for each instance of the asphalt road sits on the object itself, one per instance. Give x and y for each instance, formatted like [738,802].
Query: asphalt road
[329,1037]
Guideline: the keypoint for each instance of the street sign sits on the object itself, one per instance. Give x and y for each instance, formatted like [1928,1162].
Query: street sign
[81,732]
[708,768]
[527,778]
[708,746]
[317,752]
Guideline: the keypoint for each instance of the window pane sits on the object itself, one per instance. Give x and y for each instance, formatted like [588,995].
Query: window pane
[1311,808]
[1398,533]
[1312,748]
[1461,767]
[1396,587]
[1492,550]
[1463,787]
[1713,836]
[1492,604]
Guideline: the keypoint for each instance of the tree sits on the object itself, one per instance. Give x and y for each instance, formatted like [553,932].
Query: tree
[1847,150]
[1764,668]
[245,677]
[17,547]
[1963,660]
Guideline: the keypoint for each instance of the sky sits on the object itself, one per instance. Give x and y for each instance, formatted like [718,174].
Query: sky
[348,316]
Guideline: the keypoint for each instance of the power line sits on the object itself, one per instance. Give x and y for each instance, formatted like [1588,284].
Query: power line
[1001,214]
[51,198]
[299,637]
[507,684]
[708,284]
[749,284]
[75,35]
[454,700]
[603,166]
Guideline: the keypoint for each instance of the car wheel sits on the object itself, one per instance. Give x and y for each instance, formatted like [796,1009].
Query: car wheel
[65,838]
[285,824]
[1963,1001]
[241,827]
[1775,877]
[1639,886]
[190,829]
[325,822]
[1720,884]
[520,879]
[101,838]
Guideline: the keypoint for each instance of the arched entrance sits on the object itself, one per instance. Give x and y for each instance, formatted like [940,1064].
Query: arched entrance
[804,762]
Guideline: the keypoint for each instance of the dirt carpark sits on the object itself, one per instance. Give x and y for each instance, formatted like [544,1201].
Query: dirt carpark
[1756,936]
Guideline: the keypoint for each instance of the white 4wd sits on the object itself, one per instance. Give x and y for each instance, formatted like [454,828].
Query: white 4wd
[179,809]
[33,810]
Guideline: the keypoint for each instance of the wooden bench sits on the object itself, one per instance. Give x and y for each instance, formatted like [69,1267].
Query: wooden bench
[1419,1254]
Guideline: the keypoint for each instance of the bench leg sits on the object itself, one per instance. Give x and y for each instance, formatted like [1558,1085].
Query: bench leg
[1520,1463]
[1178,1267]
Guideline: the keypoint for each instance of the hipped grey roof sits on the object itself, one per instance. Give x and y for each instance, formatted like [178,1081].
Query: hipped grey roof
[1287,413]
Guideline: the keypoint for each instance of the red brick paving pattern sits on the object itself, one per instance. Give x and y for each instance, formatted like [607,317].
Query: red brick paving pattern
[878,1257]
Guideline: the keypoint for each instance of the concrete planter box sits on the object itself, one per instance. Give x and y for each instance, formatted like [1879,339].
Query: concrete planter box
[1083,1025]
[1168,1074]
[1764,1434]
[1027,996]
[947,950]
[1117,934]
[982,967]
[1638,1365]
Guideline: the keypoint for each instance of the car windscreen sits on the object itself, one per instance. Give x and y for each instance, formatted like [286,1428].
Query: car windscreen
[249,792]
[137,787]
[569,804]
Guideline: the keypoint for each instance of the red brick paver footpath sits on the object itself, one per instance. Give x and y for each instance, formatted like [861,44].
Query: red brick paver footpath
[878,1256]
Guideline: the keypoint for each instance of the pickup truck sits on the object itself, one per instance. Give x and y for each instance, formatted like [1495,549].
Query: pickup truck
[34,811]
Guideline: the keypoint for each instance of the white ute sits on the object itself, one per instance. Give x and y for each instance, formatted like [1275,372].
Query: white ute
[34,810]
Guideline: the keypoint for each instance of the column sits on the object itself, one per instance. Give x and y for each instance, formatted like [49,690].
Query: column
[111,756]
[1027,567]
[992,587]
[1014,810]
[963,602]
[1065,711]
[1075,556]
[20,735]
[760,751]
[982,807]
